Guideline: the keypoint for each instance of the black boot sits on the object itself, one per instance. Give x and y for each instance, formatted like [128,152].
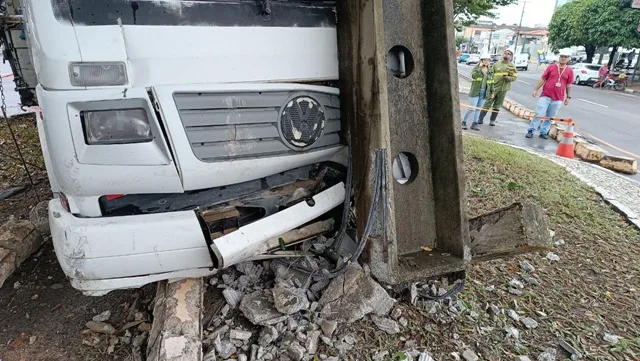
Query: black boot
[482,114]
[494,115]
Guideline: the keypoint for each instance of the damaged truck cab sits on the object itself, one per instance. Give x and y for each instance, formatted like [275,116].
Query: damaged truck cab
[166,124]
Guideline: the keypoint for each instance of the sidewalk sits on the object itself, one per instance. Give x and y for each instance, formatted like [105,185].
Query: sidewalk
[622,192]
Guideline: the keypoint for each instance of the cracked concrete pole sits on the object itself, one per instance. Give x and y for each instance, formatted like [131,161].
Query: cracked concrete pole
[176,334]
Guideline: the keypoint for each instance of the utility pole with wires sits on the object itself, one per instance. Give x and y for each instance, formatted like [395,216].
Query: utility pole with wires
[515,46]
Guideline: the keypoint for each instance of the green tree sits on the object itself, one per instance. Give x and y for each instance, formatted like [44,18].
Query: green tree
[593,23]
[467,12]
[459,41]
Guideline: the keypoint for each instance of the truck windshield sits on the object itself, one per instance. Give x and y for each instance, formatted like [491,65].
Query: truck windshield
[281,13]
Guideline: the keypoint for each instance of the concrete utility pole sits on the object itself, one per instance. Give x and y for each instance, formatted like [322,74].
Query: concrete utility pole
[399,94]
[515,46]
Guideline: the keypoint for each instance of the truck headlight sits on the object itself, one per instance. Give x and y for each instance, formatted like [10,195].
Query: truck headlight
[116,126]
[97,74]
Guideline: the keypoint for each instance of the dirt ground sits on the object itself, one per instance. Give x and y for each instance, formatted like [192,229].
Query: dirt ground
[592,289]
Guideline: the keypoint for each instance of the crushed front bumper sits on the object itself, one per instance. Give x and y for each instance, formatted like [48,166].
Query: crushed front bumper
[107,253]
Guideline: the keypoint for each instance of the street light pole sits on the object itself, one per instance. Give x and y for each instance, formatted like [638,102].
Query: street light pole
[524,5]
[490,37]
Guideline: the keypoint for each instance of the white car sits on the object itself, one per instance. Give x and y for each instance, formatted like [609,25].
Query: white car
[473,59]
[585,73]
[522,61]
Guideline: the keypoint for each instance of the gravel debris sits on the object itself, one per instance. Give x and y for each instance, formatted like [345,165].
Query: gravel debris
[403,322]
[354,294]
[224,348]
[516,283]
[522,358]
[513,315]
[296,351]
[232,297]
[469,355]
[328,326]
[527,267]
[258,308]
[312,342]
[386,324]
[552,257]
[529,322]
[101,327]
[515,291]
[575,354]
[512,332]
[611,338]
[268,335]
[559,243]
[289,300]
[236,334]
[549,354]
[380,356]
[103,317]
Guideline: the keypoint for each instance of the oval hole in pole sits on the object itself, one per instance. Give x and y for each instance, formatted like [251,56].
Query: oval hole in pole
[400,62]
[404,167]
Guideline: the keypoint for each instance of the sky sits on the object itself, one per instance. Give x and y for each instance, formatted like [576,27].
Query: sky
[536,12]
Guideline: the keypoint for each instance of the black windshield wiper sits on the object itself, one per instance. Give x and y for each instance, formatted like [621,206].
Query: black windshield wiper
[266,7]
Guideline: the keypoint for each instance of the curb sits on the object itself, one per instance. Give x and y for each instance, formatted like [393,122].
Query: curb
[583,149]
[632,217]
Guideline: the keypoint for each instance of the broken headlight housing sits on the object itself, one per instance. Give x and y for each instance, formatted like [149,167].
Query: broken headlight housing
[119,126]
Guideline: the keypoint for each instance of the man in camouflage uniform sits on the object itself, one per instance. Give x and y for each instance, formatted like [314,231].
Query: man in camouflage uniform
[504,73]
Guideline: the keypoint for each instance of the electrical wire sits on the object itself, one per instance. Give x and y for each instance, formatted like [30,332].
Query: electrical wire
[380,182]
[457,288]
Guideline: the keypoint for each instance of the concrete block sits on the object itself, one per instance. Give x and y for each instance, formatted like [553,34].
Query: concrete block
[7,264]
[559,134]
[589,152]
[620,164]
[553,131]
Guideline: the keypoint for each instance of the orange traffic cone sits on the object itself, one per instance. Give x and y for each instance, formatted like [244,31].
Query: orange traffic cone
[566,147]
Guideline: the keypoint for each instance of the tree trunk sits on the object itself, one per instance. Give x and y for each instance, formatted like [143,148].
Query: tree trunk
[612,55]
[590,50]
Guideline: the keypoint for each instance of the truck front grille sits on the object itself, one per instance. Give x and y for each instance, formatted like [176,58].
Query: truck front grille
[223,126]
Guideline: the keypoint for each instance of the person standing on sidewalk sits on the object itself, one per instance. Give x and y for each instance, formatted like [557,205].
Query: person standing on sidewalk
[481,88]
[556,84]
[504,73]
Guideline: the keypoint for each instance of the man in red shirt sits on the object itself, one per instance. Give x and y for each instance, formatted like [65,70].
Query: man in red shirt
[556,85]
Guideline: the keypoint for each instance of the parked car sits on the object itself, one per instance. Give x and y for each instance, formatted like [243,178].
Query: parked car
[473,59]
[463,58]
[495,58]
[522,61]
[585,73]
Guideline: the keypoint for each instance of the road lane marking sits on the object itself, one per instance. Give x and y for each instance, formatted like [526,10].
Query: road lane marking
[522,81]
[586,101]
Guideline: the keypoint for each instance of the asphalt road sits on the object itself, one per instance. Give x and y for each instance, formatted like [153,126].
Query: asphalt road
[610,116]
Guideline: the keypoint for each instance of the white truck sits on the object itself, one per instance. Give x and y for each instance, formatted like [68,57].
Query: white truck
[167,124]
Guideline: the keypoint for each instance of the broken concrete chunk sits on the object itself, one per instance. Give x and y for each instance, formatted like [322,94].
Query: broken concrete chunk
[515,291]
[527,267]
[380,356]
[529,322]
[312,342]
[104,316]
[352,295]
[575,354]
[328,326]
[386,324]
[224,348]
[258,308]
[236,334]
[101,327]
[296,351]
[404,322]
[553,257]
[522,358]
[289,300]
[512,332]
[513,315]
[469,355]
[516,283]
[611,338]
[268,336]
[549,354]
[232,297]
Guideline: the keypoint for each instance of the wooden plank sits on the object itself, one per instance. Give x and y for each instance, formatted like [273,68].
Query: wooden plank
[176,334]
[505,232]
